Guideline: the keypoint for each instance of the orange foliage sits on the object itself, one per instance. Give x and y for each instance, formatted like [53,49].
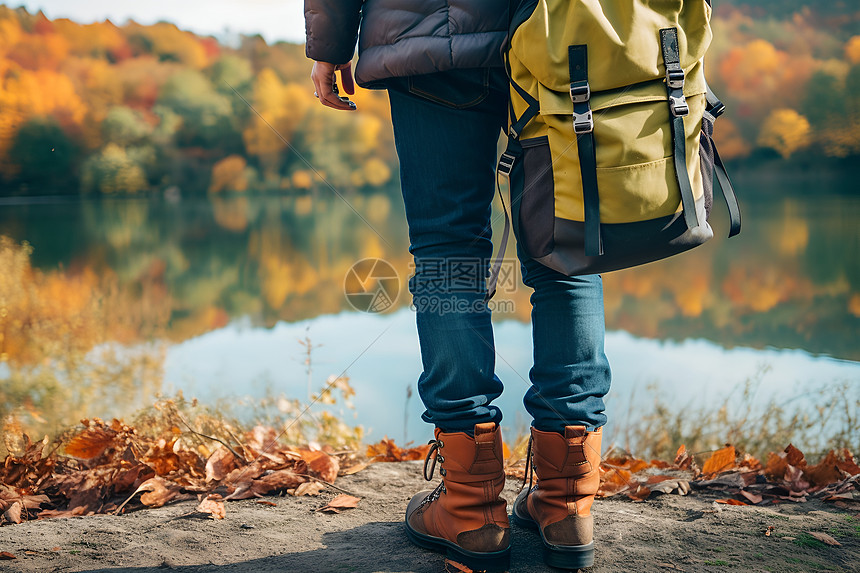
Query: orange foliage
[852,50]
[729,140]
[761,288]
[37,53]
[721,460]
[387,451]
[229,175]
[757,74]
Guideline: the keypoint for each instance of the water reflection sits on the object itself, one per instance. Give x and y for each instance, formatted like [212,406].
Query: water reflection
[380,355]
[139,271]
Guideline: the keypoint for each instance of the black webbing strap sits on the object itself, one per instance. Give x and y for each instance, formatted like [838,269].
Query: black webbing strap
[728,194]
[583,126]
[713,110]
[534,108]
[715,107]
[678,108]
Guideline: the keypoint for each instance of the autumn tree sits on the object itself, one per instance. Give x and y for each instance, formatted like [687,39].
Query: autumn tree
[206,114]
[45,157]
[785,131]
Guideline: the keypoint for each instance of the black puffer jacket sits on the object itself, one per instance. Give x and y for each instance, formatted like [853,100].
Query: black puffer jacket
[406,37]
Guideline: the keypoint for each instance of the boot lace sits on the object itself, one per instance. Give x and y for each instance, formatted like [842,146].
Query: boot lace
[433,454]
[530,470]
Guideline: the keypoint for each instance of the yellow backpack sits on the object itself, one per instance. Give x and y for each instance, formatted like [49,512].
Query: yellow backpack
[610,158]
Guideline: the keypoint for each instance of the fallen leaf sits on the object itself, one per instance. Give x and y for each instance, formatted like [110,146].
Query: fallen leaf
[219,464]
[776,466]
[269,503]
[55,548]
[309,488]
[157,492]
[769,530]
[730,502]
[452,566]
[752,497]
[794,456]
[214,506]
[824,538]
[91,443]
[387,451]
[683,459]
[354,469]
[5,555]
[276,481]
[339,502]
[321,465]
[670,485]
[13,514]
[733,479]
[847,463]
[721,460]
[241,491]
[641,493]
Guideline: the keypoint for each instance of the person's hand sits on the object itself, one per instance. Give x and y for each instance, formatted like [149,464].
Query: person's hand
[325,82]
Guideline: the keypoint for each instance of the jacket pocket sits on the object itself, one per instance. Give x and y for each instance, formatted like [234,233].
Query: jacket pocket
[457,89]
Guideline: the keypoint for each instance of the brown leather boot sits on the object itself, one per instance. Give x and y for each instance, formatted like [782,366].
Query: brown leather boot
[559,506]
[464,517]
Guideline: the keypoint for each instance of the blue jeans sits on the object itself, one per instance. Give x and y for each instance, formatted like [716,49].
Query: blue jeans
[446,126]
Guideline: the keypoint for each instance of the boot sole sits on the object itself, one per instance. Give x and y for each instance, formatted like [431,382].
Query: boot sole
[558,556]
[492,562]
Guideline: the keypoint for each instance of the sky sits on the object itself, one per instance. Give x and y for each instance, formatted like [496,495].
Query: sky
[273,19]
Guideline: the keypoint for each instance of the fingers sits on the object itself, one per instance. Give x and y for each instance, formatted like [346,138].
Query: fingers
[346,78]
[323,76]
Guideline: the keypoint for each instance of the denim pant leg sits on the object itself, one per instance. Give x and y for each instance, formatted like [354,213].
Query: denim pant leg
[571,373]
[446,127]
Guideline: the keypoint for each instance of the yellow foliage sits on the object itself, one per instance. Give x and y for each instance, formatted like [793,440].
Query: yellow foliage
[10,34]
[376,172]
[785,131]
[97,39]
[842,140]
[169,42]
[303,205]
[26,94]
[792,236]
[283,270]
[229,175]
[230,213]
[377,208]
[852,50]
[302,179]
[854,304]
[282,108]
[39,51]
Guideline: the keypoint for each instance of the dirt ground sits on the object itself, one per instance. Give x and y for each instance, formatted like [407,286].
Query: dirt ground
[665,533]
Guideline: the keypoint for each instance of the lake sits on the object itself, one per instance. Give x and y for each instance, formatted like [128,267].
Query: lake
[221,297]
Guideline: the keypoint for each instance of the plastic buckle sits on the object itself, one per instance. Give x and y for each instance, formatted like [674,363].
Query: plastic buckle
[675,78]
[583,122]
[506,164]
[678,105]
[580,92]
[718,109]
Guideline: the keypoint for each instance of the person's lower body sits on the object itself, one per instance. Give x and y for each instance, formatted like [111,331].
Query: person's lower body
[446,127]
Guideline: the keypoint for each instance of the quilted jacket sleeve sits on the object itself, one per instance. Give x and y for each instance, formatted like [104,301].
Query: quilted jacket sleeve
[331,27]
